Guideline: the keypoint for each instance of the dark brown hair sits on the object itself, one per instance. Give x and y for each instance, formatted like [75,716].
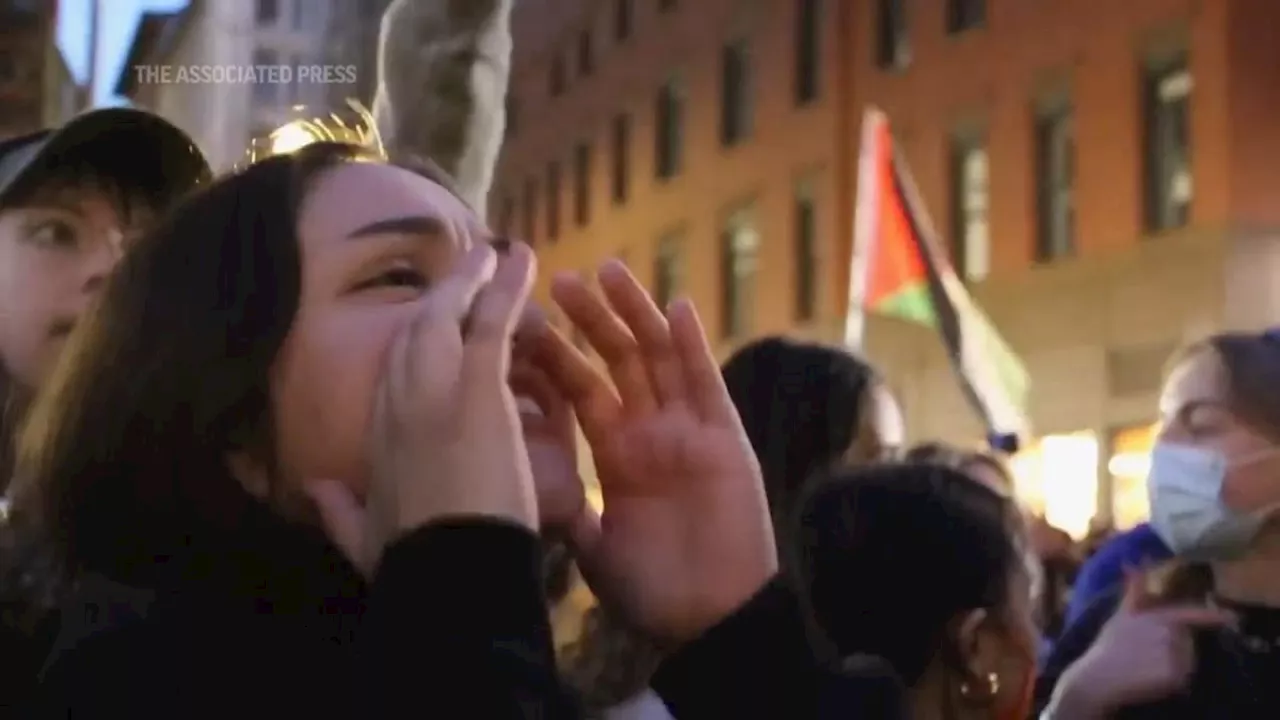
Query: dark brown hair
[801,405]
[122,457]
[1252,365]
[891,554]
[610,663]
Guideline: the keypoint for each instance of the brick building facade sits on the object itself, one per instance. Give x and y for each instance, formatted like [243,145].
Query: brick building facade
[1106,173]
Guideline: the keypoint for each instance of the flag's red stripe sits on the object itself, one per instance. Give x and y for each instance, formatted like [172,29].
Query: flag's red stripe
[895,260]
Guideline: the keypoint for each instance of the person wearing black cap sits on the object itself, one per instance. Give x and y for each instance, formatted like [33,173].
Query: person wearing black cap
[70,200]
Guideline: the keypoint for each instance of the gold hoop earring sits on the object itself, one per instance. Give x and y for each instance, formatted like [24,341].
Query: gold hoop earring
[993,687]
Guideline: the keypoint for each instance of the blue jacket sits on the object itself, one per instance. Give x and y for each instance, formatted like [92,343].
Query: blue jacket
[1136,548]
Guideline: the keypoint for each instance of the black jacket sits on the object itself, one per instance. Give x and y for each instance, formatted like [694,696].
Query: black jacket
[1228,683]
[454,626]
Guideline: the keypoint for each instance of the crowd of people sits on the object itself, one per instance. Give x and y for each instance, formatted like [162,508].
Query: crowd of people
[294,441]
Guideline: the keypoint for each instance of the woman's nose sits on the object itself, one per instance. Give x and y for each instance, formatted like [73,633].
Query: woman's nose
[102,260]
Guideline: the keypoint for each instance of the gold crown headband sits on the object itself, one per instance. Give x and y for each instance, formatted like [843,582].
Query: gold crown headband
[356,128]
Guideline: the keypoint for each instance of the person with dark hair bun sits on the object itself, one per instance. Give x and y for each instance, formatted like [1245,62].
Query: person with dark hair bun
[73,201]
[922,566]
[1053,551]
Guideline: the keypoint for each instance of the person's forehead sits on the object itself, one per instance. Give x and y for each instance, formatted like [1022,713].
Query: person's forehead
[1199,378]
[355,193]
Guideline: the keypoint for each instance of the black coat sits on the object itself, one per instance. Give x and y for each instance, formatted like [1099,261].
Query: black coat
[454,626]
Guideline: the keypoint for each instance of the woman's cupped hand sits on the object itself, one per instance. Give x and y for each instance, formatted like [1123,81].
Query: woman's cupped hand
[684,538]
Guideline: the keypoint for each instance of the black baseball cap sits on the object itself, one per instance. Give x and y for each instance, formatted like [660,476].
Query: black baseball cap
[134,146]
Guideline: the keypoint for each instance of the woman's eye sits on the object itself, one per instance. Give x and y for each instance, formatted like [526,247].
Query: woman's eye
[1204,421]
[54,234]
[395,278]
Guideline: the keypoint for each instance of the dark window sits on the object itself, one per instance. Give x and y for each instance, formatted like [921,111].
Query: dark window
[668,268]
[621,156]
[970,206]
[669,133]
[740,245]
[586,53]
[553,202]
[622,19]
[893,42]
[268,12]
[557,79]
[1055,184]
[1167,130]
[735,93]
[530,221]
[582,184]
[965,15]
[805,244]
[808,78]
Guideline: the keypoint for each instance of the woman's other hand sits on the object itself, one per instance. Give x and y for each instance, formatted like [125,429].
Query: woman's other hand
[685,537]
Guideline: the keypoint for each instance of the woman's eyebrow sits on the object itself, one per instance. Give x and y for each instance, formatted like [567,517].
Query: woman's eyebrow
[407,225]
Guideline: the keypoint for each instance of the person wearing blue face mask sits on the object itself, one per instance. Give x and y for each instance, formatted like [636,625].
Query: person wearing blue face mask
[1199,638]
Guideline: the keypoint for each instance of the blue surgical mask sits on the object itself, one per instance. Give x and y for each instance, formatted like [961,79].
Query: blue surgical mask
[1185,485]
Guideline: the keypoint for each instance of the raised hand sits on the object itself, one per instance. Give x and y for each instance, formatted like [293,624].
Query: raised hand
[1143,654]
[685,536]
[445,437]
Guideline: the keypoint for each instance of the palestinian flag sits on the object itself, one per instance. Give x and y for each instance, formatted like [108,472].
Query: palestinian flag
[899,270]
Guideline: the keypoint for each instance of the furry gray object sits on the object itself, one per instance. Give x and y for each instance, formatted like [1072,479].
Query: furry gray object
[443,69]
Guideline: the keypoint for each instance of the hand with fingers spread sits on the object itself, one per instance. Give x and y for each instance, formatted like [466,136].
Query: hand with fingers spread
[446,440]
[1143,654]
[685,537]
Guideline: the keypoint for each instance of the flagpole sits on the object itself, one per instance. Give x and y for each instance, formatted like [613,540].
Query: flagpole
[864,228]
